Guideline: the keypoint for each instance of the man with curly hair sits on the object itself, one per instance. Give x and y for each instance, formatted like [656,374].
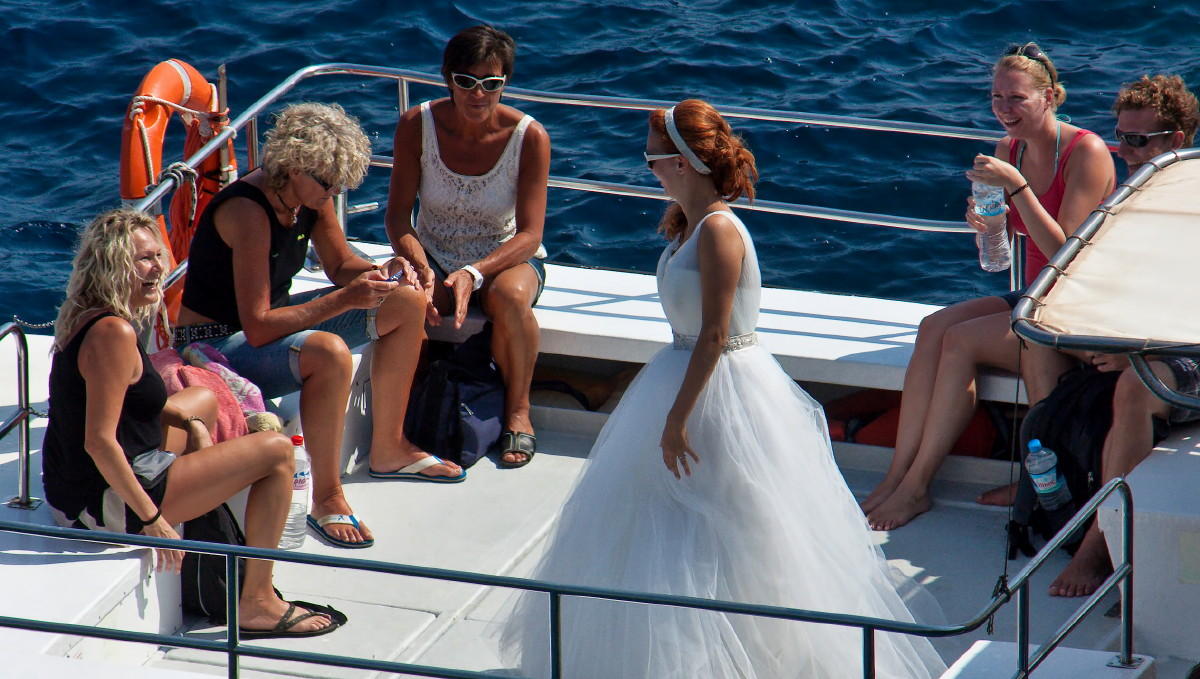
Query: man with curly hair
[1155,115]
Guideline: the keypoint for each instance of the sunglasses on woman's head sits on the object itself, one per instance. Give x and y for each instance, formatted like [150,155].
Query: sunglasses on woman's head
[651,157]
[1031,51]
[466,81]
[1138,139]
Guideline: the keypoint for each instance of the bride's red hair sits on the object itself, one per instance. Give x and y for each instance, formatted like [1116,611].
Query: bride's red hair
[708,136]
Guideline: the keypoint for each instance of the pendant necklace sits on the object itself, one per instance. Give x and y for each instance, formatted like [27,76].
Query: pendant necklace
[294,210]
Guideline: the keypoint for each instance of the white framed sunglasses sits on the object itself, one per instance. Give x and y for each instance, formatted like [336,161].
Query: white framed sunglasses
[466,81]
[651,157]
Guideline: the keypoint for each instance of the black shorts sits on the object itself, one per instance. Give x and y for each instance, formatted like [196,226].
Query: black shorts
[1011,298]
[105,510]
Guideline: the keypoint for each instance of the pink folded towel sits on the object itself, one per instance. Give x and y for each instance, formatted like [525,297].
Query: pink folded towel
[177,375]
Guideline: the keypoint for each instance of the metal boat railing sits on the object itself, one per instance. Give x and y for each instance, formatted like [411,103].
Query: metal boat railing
[20,419]
[249,120]
[1121,577]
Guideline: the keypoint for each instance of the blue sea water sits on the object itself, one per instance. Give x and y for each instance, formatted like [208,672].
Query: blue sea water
[70,67]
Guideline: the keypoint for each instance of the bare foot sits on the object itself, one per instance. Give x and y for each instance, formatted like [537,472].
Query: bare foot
[1087,570]
[336,504]
[1000,496]
[900,508]
[878,496]
[407,453]
[257,615]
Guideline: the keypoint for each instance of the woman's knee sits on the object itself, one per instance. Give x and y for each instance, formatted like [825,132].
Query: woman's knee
[325,353]
[406,301]
[1131,394]
[274,450]
[509,298]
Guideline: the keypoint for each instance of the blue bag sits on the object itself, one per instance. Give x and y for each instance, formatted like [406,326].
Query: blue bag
[456,413]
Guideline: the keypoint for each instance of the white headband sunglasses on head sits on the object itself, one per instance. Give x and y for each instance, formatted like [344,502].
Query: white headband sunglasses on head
[677,139]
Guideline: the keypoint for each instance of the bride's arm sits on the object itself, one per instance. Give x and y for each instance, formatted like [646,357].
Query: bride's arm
[721,251]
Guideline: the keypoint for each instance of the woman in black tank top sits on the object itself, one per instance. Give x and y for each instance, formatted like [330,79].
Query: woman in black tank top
[108,411]
[250,241]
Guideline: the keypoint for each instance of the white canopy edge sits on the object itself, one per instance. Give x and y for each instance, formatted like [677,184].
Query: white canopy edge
[1138,277]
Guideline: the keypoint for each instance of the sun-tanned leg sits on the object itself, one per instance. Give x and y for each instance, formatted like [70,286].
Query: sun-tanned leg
[919,381]
[508,302]
[401,327]
[1040,369]
[1129,441]
[985,341]
[325,372]
[198,482]
[196,401]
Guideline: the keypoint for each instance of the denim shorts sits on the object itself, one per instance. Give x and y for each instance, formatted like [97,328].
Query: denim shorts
[275,366]
[539,270]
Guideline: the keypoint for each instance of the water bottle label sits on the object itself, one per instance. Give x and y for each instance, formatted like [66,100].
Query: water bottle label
[1046,482]
[300,481]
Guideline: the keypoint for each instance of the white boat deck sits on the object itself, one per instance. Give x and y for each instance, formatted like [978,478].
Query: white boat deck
[495,522]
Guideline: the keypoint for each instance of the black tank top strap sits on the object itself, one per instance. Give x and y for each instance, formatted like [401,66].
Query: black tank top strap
[209,289]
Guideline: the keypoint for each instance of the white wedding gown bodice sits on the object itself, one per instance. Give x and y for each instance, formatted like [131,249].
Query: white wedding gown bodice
[765,517]
[678,277]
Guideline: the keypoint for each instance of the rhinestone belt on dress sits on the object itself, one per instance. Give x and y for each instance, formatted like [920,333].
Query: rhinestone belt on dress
[734,342]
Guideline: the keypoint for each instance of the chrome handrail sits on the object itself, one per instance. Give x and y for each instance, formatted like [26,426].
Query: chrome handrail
[1122,575]
[22,499]
[404,76]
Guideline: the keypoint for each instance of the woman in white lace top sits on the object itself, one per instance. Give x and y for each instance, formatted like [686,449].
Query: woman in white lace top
[480,169]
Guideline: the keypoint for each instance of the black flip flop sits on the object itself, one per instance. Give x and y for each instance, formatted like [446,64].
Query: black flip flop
[287,621]
[517,442]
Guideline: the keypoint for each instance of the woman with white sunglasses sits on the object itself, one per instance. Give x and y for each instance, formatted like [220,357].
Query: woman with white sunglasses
[1054,174]
[480,170]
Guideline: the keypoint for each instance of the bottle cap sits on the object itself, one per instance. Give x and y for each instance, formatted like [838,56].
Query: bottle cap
[1035,445]
[297,440]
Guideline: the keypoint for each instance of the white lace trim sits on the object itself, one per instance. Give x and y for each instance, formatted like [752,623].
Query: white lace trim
[462,218]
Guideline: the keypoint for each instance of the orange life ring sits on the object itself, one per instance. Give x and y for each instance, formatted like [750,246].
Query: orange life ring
[174,86]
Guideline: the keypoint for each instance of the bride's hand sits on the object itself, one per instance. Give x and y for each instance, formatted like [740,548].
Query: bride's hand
[676,449]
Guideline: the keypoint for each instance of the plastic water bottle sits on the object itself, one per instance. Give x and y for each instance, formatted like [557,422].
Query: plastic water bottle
[994,251]
[1042,464]
[295,528]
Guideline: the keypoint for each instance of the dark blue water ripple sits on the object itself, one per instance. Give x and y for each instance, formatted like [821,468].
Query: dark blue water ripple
[69,69]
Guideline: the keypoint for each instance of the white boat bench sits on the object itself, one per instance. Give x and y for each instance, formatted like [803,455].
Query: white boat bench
[817,337]
[1166,545]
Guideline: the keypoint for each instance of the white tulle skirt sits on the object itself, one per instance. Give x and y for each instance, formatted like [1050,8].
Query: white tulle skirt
[764,518]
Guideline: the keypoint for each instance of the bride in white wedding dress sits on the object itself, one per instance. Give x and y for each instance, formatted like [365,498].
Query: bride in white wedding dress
[714,478]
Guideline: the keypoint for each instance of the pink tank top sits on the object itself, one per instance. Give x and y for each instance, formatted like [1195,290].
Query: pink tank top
[1035,259]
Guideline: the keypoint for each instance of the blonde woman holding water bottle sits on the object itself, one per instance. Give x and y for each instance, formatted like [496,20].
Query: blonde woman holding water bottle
[1054,175]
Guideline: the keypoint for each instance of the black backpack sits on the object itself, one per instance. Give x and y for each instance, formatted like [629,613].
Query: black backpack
[456,413]
[1073,421]
[203,575]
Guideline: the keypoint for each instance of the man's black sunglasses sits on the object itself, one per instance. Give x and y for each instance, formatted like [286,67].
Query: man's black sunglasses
[1138,139]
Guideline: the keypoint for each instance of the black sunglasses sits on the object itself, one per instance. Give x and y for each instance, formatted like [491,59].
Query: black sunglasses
[1031,51]
[1138,139]
[324,184]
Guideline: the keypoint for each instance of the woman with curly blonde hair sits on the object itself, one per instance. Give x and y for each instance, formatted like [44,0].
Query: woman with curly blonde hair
[105,459]
[252,238]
